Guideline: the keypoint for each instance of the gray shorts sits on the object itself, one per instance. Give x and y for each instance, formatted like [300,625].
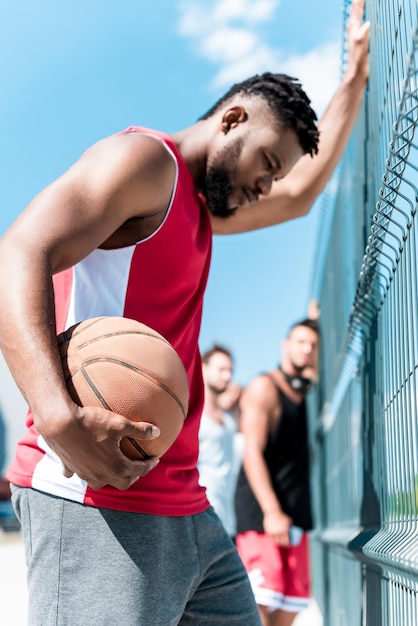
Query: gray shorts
[97,567]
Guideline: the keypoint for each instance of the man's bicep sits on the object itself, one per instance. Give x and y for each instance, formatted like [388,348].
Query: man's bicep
[80,210]
[61,225]
[255,417]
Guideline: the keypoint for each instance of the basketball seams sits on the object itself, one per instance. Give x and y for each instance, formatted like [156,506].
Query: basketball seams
[82,370]
[113,363]
[135,368]
[138,448]
[79,329]
[86,324]
[117,334]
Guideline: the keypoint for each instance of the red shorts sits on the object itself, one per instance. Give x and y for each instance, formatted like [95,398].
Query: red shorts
[279,576]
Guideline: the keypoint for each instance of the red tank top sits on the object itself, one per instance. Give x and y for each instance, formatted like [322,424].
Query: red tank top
[161,282]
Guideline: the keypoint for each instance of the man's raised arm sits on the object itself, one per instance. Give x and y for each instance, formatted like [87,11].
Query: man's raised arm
[294,195]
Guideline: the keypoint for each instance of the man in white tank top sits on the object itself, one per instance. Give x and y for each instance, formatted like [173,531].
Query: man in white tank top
[218,449]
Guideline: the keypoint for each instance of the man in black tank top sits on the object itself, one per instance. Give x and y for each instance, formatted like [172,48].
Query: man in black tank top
[273,496]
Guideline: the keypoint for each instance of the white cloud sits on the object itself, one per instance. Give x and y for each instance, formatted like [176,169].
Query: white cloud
[318,70]
[192,20]
[247,10]
[226,33]
[261,59]
[226,45]
[198,16]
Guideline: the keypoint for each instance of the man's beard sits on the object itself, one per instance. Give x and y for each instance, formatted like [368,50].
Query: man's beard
[218,185]
[297,368]
[215,390]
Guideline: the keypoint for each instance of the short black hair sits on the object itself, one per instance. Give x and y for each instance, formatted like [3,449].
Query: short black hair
[213,350]
[287,101]
[307,323]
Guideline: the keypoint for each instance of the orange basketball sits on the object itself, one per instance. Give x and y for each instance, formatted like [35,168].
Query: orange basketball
[129,368]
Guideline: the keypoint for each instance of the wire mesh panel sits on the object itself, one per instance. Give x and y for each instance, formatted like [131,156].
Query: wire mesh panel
[364,414]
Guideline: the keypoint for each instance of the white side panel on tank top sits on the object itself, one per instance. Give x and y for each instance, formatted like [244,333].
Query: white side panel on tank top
[93,293]
[48,476]
[99,287]
[99,284]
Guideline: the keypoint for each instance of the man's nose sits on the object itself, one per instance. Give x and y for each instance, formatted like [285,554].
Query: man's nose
[264,185]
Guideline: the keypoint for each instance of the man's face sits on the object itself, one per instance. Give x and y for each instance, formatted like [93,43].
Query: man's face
[301,348]
[217,372]
[246,166]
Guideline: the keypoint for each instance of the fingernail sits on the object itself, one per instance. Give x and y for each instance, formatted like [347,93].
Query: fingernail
[155,431]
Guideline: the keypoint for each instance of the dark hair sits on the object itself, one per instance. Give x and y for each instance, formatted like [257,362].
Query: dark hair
[287,101]
[307,323]
[213,350]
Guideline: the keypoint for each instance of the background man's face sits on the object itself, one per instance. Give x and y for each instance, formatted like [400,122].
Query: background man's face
[218,372]
[301,347]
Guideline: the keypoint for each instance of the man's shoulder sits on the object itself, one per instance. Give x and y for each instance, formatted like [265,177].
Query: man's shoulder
[133,143]
[141,129]
[264,379]
[262,384]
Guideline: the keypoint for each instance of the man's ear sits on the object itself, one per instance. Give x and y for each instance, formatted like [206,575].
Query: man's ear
[232,117]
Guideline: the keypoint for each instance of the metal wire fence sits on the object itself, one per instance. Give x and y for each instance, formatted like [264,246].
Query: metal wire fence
[364,428]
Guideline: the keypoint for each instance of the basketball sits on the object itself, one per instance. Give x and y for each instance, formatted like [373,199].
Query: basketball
[125,366]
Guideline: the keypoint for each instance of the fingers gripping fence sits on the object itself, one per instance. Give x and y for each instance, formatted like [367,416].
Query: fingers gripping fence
[364,414]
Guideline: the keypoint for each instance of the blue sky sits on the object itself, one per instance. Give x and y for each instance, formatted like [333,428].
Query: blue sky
[72,73]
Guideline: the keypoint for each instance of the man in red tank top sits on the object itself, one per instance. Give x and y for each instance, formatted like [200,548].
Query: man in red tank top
[127,231]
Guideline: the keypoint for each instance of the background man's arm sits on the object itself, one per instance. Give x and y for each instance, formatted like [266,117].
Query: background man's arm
[257,404]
